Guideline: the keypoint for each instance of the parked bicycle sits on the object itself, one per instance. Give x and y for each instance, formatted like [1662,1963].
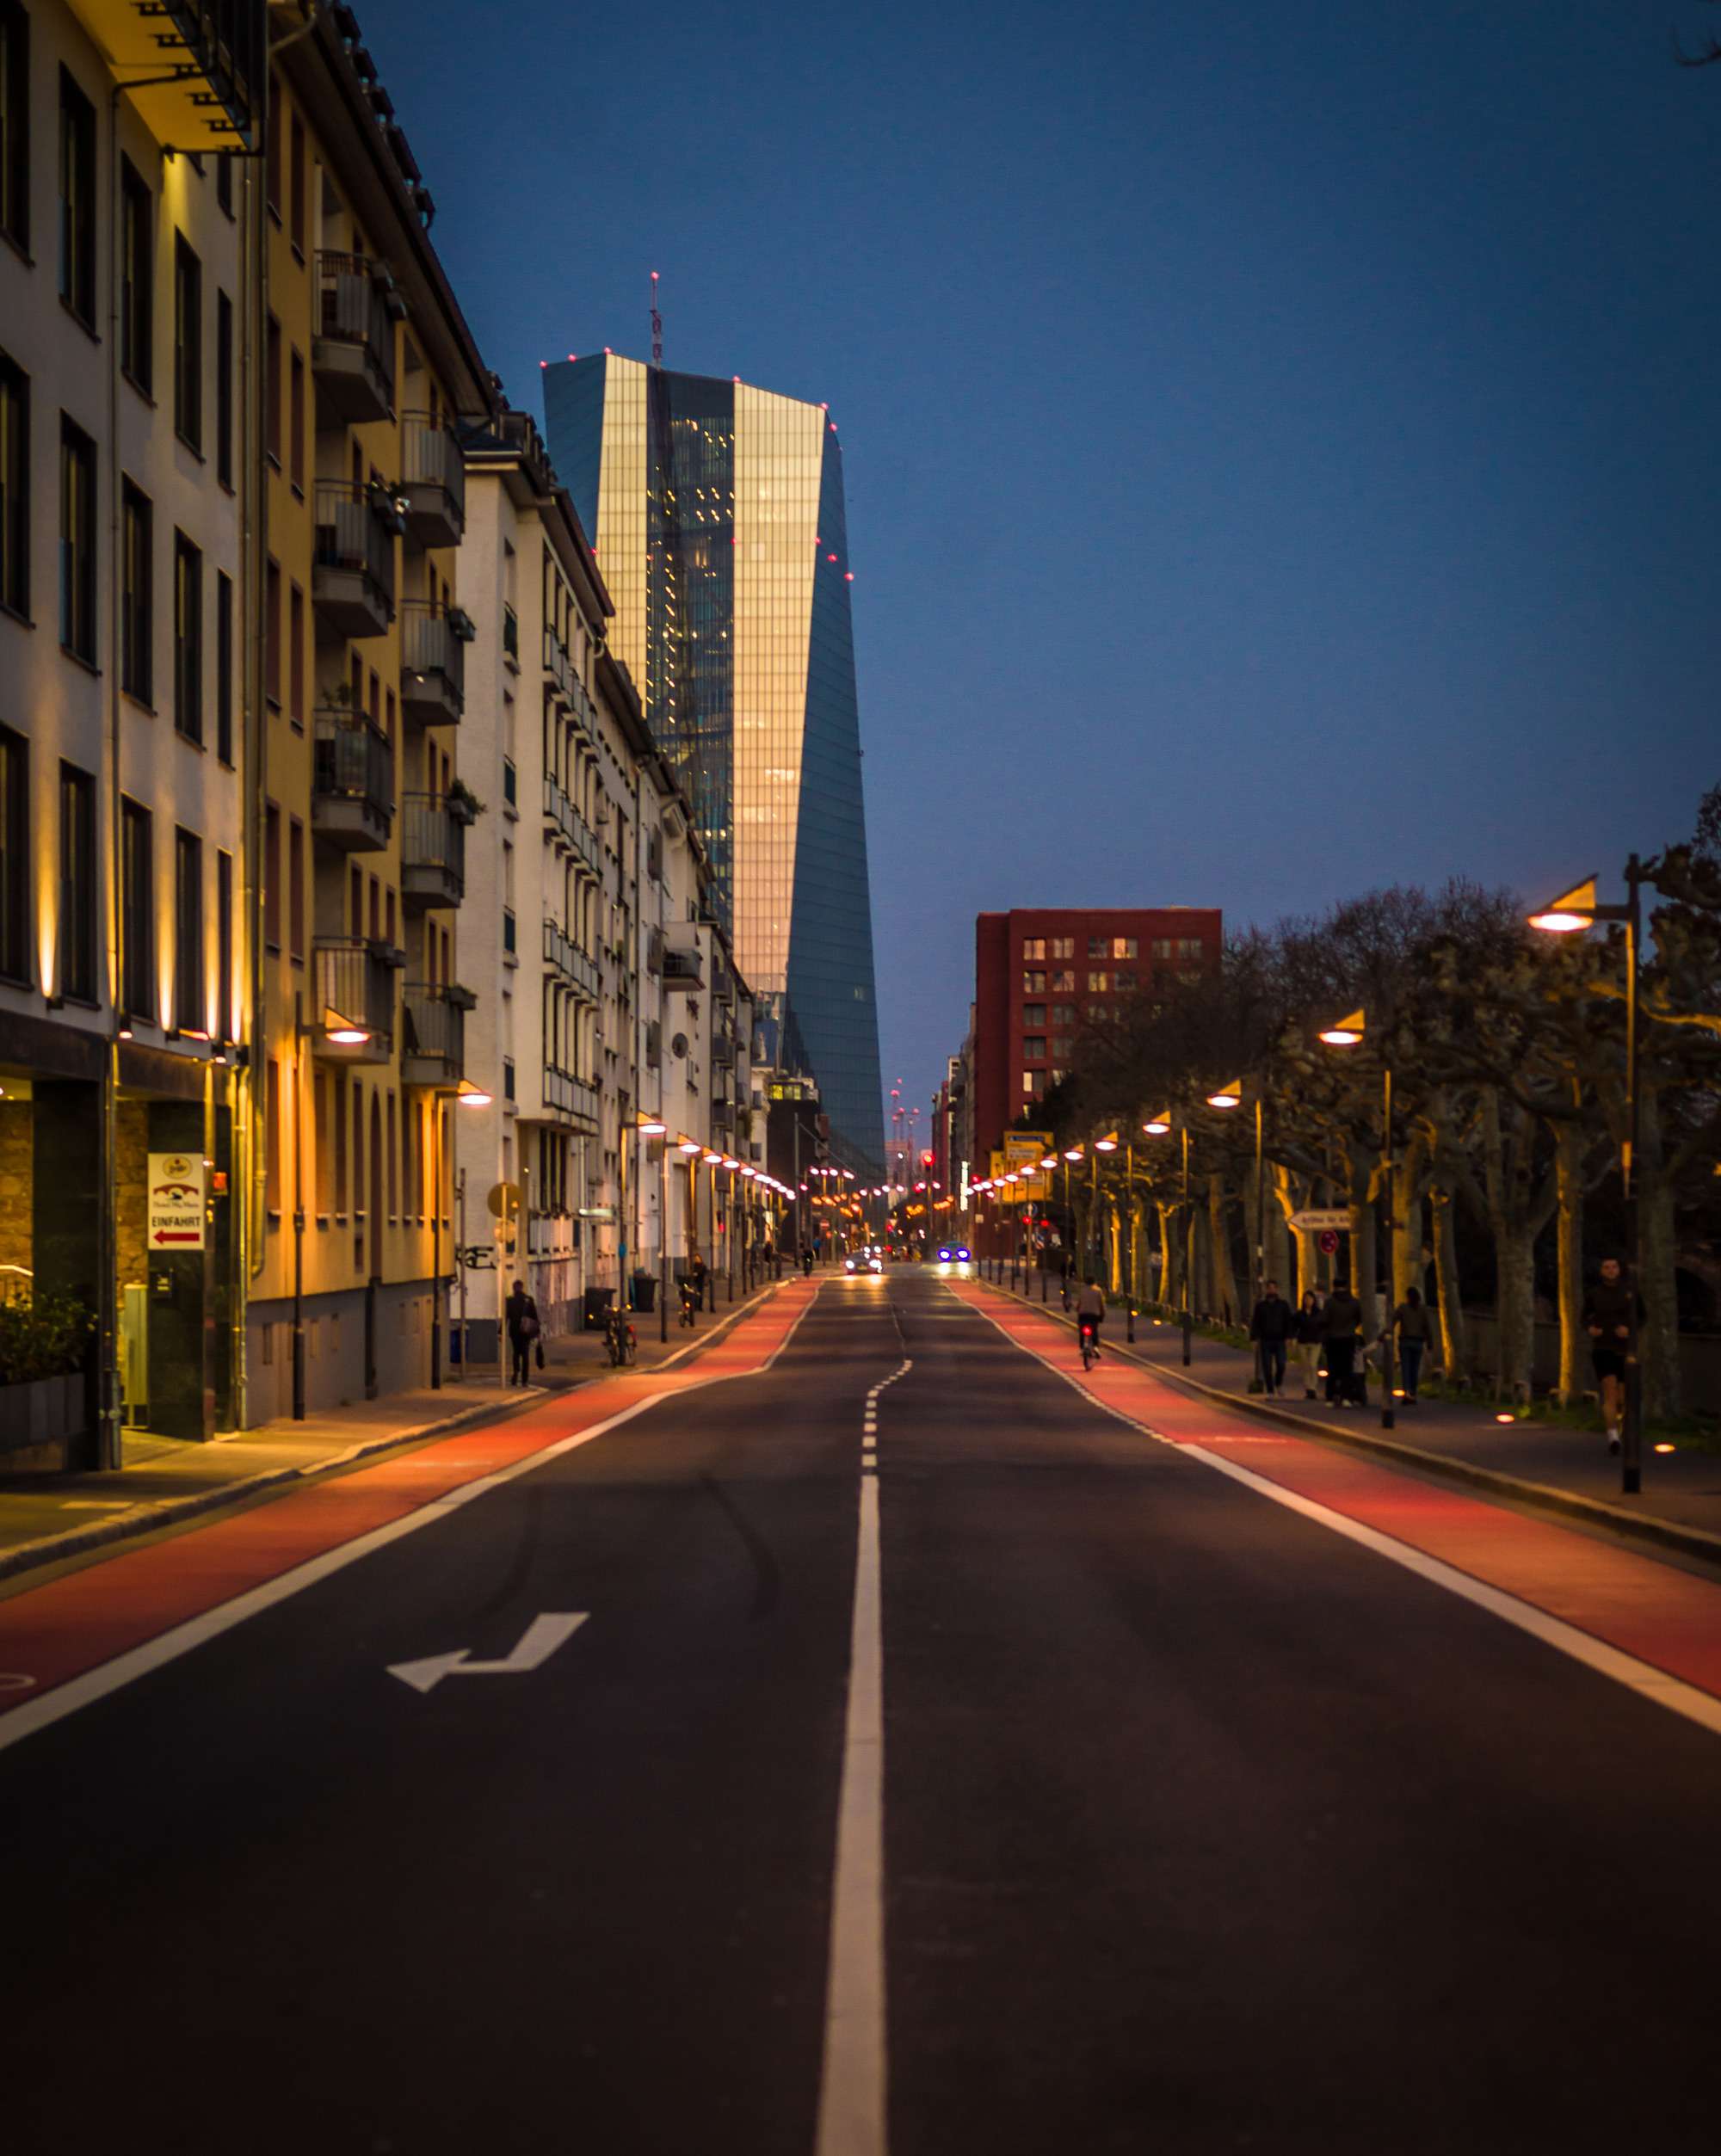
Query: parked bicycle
[620,1339]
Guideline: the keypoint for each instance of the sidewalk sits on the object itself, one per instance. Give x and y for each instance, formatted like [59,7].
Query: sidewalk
[45,1519]
[1569,1471]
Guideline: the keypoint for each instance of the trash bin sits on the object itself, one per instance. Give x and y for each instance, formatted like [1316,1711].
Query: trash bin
[644,1290]
[597,1303]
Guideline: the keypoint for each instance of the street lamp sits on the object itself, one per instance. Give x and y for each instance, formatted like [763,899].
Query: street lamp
[1348,1033]
[466,1094]
[1570,914]
[1159,1126]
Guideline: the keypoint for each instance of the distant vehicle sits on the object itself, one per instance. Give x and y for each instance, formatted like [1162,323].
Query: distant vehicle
[865,1261]
[952,1254]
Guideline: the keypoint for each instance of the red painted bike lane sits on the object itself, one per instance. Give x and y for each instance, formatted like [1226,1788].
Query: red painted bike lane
[76,1624]
[1665,1617]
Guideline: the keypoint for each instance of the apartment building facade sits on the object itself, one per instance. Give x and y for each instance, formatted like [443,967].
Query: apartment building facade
[123,579]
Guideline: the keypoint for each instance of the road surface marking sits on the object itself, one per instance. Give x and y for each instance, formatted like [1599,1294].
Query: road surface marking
[1607,1660]
[852,2080]
[537,1643]
[125,1668]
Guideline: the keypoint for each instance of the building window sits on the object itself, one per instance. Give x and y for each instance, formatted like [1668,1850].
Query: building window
[272,155]
[188,1014]
[1063,946]
[223,666]
[1034,947]
[295,891]
[1030,1081]
[1034,1014]
[224,389]
[188,344]
[137,593]
[1064,1013]
[1123,946]
[76,938]
[188,637]
[1033,1048]
[76,200]
[1125,981]
[224,183]
[272,632]
[272,391]
[295,423]
[272,877]
[1064,983]
[137,913]
[15,856]
[224,946]
[77,540]
[14,487]
[296,183]
[295,656]
[1033,983]
[1100,983]
[1061,1047]
[137,276]
[15,124]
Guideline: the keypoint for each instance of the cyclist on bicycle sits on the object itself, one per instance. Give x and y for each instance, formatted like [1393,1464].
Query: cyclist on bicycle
[1090,1310]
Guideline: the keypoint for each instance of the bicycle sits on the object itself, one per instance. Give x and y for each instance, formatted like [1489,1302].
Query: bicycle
[1090,1332]
[690,1303]
[620,1339]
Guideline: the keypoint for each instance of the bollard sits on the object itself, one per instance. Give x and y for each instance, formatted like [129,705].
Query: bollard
[1042,1284]
[1129,1333]
[1188,1329]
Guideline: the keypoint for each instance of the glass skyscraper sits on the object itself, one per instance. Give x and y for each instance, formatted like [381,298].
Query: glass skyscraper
[719,520]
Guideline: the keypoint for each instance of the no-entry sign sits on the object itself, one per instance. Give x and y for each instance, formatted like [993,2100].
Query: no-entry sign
[175,1201]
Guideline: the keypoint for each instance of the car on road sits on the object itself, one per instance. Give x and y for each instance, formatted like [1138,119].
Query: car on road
[953,1254]
[865,1261]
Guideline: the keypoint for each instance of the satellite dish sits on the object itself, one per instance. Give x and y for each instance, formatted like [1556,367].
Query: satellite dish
[678,1045]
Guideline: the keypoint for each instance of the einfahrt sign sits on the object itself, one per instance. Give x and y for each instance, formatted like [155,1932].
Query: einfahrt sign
[175,1201]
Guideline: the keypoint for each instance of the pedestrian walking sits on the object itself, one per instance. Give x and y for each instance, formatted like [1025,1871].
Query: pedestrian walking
[1271,1325]
[1343,1315]
[1415,1323]
[1311,1332]
[522,1314]
[1607,1320]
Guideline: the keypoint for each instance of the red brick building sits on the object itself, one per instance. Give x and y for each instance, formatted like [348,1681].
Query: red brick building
[1040,975]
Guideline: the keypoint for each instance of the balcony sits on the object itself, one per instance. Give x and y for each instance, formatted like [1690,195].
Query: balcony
[558,667]
[352,782]
[571,963]
[215,51]
[433,1045]
[352,573]
[433,853]
[352,995]
[723,1051]
[683,969]
[433,481]
[352,353]
[568,828]
[722,1117]
[433,664]
[570,1096]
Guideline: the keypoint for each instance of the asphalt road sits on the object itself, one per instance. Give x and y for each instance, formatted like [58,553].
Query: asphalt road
[1204,1828]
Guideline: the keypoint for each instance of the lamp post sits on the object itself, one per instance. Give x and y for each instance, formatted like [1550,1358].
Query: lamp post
[1159,1126]
[651,1127]
[1570,914]
[466,1094]
[1348,1033]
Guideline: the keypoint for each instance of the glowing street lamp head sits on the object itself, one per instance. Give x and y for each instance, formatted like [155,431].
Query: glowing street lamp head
[650,1128]
[1157,1126]
[467,1095]
[1227,1096]
[343,1031]
[1107,1144]
[690,1146]
[1573,910]
[1049,1160]
[1072,1152]
[1347,1032]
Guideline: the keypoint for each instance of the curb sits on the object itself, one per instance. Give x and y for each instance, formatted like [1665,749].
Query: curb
[149,1519]
[1592,1511]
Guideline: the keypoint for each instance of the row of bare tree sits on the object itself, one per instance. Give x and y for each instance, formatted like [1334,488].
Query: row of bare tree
[1507,1056]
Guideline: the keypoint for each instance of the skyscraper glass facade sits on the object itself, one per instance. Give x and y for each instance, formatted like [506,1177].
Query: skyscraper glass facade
[718,514]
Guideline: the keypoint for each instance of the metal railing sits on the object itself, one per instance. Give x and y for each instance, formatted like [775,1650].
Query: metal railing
[572,826]
[353,981]
[431,456]
[558,665]
[430,650]
[560,951]
[354,537]
[352,310]
[352,761]
[432,837]
[435,1027]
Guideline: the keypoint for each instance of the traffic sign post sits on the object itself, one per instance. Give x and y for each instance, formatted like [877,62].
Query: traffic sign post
[1321,1220]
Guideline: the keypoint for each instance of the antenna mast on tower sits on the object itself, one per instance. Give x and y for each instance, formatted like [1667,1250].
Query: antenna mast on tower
[657,325]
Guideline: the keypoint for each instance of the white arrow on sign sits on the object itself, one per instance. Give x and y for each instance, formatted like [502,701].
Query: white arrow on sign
[1318,1217]
[538,1644]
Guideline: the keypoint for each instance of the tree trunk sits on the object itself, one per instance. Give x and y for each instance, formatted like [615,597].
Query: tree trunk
[1515,1305]
[1570,1142]
[1226,1303]
[1362,1238]
[1454,1347]
[1279,1265]
[1659,1348]
[1410,1171]
[1169,1287]
[1200,1275]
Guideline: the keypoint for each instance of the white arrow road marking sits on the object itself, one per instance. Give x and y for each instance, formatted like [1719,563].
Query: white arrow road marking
[537,1643]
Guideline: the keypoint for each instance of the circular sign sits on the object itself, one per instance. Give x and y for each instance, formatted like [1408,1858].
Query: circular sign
[1327,1241]
[504,1200]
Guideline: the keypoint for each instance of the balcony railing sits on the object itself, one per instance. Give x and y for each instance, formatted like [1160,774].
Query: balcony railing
[352,780]
[683,969]
[570,1096]
[433,664]
[510,636]
[568,825]
[722,1050]
[433,481]
[432,1047]
[199,65]
[433,851]
[352,353]
[352,563]
[352,993]
[570,961]
[557,664]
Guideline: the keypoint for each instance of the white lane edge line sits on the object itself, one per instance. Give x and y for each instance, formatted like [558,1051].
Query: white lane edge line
[137,1661]
[1640,1677]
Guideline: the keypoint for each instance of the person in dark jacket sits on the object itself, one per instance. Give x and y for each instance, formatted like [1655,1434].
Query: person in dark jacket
[522,1314]
[1271,1325]
[1415,1323]
[1311,1332]
[1343,1315]
[1607,1320]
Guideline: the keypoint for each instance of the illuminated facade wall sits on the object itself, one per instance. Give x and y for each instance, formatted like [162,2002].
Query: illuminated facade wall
[719,512]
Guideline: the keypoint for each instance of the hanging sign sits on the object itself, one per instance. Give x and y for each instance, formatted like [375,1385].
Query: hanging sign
[1322,1219]
[175,1201]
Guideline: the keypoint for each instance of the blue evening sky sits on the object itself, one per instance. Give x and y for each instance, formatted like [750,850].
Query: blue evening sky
[1279,436]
